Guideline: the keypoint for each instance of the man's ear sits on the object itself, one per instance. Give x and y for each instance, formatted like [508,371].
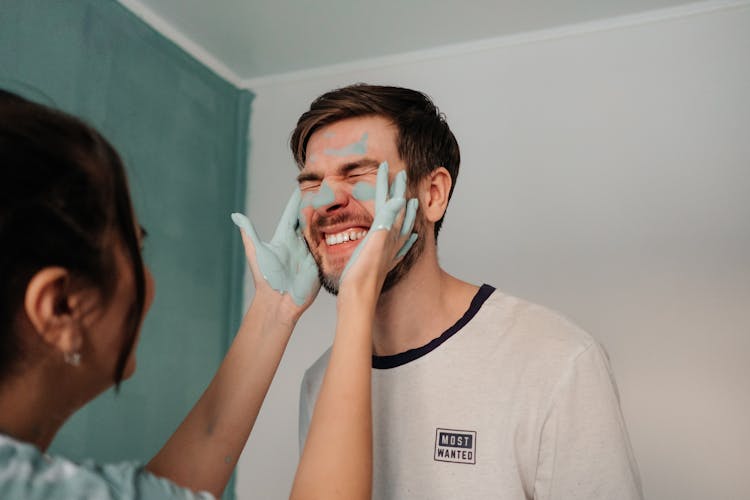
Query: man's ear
[53,311]
[434,191]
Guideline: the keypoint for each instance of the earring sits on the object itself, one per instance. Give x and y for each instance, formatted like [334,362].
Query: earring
[72,358]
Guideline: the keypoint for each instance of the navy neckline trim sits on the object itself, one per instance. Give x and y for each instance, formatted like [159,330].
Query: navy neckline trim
[394,360]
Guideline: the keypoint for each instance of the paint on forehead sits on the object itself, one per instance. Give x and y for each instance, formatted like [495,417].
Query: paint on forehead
[363,191]
[312,157]
[329,134]
[324,196]
[356,148]
[304,203]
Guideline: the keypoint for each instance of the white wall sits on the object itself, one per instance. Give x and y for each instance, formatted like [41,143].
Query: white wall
[606,174]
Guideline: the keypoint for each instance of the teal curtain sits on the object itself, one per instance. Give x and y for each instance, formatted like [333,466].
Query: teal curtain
[182,132]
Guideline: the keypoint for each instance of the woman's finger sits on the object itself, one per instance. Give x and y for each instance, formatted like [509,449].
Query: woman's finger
[398,188]
[288,221]
[407,246]
[386,216]
[241,221]
[305,282]
[381,186]
[410,217]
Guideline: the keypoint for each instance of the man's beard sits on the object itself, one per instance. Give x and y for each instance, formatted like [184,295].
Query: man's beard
[330,281]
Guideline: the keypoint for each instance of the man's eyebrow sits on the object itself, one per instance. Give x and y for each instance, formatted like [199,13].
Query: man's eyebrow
[307,176]
[342,170]
[364,162]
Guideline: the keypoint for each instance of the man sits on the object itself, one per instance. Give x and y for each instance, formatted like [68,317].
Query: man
[475,394]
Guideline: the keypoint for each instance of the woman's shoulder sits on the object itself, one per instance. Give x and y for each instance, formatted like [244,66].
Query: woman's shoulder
[26,473]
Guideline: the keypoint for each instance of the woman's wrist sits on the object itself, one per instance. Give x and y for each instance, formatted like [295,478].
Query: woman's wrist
[362,294]
[276,308]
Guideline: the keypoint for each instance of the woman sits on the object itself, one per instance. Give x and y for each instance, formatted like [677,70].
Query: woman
[73,293]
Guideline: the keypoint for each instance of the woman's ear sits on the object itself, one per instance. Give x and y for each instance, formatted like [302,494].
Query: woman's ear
[435,189]
[53,311]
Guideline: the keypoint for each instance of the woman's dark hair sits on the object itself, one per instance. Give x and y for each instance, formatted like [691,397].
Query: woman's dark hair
[424,141]
[64,202]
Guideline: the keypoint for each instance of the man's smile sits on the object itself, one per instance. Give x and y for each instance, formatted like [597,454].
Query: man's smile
[340,233]
[333,239]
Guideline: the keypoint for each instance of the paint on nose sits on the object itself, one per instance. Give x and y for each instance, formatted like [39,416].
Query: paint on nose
[324,196]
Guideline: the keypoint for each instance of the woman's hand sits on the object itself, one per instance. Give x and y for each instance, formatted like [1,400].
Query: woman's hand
[283,269]
[388,239]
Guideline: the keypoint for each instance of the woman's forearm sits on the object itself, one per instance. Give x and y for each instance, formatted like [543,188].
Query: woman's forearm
[336,461]
[204,450]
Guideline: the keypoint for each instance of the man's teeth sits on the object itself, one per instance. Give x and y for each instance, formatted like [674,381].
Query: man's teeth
[337,239]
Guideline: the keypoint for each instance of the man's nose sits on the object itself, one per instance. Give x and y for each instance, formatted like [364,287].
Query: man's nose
[331,196]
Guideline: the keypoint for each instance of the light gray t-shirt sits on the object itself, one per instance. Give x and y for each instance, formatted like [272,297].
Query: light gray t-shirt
[511,402]
[27,474]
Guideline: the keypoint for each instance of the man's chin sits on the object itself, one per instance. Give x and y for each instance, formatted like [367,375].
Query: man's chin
[329,282]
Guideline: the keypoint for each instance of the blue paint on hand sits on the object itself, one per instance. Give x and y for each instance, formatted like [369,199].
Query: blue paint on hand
[285,262]
[387,209]
[306,202]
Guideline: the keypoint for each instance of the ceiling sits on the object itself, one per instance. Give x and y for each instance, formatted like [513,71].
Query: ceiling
[258,38]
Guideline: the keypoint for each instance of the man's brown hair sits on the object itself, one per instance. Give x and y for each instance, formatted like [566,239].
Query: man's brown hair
[423,139]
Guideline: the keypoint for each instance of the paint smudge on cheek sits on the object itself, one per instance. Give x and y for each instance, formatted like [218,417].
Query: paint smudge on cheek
[356,148]
[324,196]
[303,214]
[363,191]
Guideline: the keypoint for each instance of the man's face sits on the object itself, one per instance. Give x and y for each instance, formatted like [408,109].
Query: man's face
[337,184]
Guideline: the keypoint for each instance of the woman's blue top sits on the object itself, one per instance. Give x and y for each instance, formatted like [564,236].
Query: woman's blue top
[28,474]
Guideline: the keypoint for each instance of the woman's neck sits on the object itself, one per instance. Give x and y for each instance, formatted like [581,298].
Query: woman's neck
[35,406]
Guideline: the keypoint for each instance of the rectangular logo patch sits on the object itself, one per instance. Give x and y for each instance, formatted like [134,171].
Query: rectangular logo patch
[456,446]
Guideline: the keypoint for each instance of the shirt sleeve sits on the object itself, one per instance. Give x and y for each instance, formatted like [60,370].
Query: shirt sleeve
[133,481]
[585,452]
[27,474]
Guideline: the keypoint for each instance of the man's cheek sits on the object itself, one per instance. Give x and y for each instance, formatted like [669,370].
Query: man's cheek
[364,191]
[305,212]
